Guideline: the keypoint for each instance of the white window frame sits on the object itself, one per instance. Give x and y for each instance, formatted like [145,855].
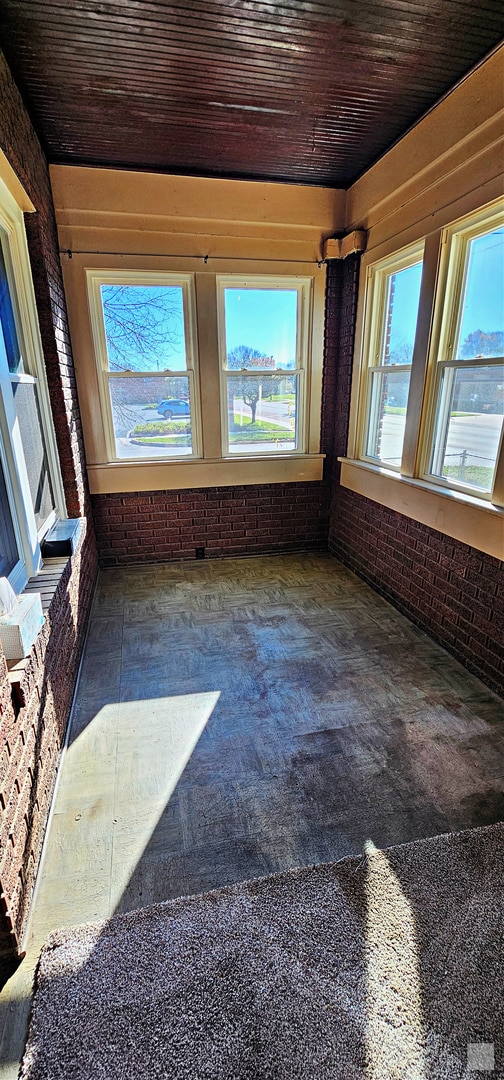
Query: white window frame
[446,321]
[376,313]
[303,288]
[20,284]
[460,512]
[212,468]
[97,278]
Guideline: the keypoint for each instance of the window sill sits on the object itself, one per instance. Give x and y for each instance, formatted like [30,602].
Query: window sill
[46,583]
[219,472]
[23,674]
[466,518]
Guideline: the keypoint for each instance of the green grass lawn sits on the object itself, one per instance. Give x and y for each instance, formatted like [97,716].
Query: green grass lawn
[261,431]
[478,475]
[178,433]
[162,427]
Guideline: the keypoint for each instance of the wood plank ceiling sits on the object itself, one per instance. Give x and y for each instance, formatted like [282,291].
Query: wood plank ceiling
[307,91]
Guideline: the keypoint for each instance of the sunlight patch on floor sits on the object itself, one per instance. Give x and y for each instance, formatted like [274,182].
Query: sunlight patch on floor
[117,778]
[394,1018]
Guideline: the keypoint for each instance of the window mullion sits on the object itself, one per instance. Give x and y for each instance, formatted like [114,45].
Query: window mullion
[213,415]
[410,465]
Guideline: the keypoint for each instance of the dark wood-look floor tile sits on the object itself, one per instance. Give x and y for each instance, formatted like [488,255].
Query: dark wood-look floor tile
[334,720]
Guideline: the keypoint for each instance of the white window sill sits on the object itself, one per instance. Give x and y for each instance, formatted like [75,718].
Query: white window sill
[464,517]
[218,472]
[21,673]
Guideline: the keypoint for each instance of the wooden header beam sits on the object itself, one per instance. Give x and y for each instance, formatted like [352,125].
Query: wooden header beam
[347,245]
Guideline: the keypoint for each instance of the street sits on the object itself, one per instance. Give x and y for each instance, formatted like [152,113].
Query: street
[477,434]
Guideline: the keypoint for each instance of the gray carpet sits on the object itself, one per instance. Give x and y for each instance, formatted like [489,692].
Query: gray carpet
[385,966]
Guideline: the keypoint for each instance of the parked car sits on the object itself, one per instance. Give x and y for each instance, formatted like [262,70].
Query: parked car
[171,407]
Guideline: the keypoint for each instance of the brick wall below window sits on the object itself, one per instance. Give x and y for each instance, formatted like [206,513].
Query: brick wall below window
[32,727]
[163,525]
[451,590]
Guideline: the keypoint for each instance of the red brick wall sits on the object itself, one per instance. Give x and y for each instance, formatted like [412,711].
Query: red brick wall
[31,735]
[452,591]
[162,525]
[32,726]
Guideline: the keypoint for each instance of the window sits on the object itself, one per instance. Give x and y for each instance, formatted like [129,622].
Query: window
[30,484]
[145,350]
[468,383]
[394,292]
[197,378]
[263,337]
[438,330]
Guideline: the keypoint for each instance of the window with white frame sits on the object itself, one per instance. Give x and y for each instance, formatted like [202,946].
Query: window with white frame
[31,495]
[467,383]
[155,352]
[453,435]
[263,326]
[143,330]
[393,296]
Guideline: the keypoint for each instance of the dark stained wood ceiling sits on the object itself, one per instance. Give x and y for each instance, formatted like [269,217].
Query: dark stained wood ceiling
[308,91]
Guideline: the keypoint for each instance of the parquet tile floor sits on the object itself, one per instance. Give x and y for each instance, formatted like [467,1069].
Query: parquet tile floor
[239,717]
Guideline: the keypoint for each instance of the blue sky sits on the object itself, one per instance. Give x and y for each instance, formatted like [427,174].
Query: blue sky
[154,312]
[483,304]
[405,309]
[264,319]
[483,299]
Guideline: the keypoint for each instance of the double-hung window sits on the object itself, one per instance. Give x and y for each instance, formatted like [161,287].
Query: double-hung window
[393,296]
[143,330]
[427,425]
[468,378]
[31,493]
[200,377]
[264,345]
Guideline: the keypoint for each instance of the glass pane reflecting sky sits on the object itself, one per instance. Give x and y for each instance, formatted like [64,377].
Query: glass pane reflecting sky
[7,321]
[262,320]
[401,316]
[144,327]
[481,330]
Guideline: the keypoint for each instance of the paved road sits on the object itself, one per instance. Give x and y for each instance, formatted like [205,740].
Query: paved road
[129,415]
[478,435]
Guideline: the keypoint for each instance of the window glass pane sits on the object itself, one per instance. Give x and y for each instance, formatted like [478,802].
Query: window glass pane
[144,327]
[30,426]
[8,547]
[481,330]
[7,321]
[261,328]
[402,296]
[387,415]
[468,425]
[262,414]
[151,416]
